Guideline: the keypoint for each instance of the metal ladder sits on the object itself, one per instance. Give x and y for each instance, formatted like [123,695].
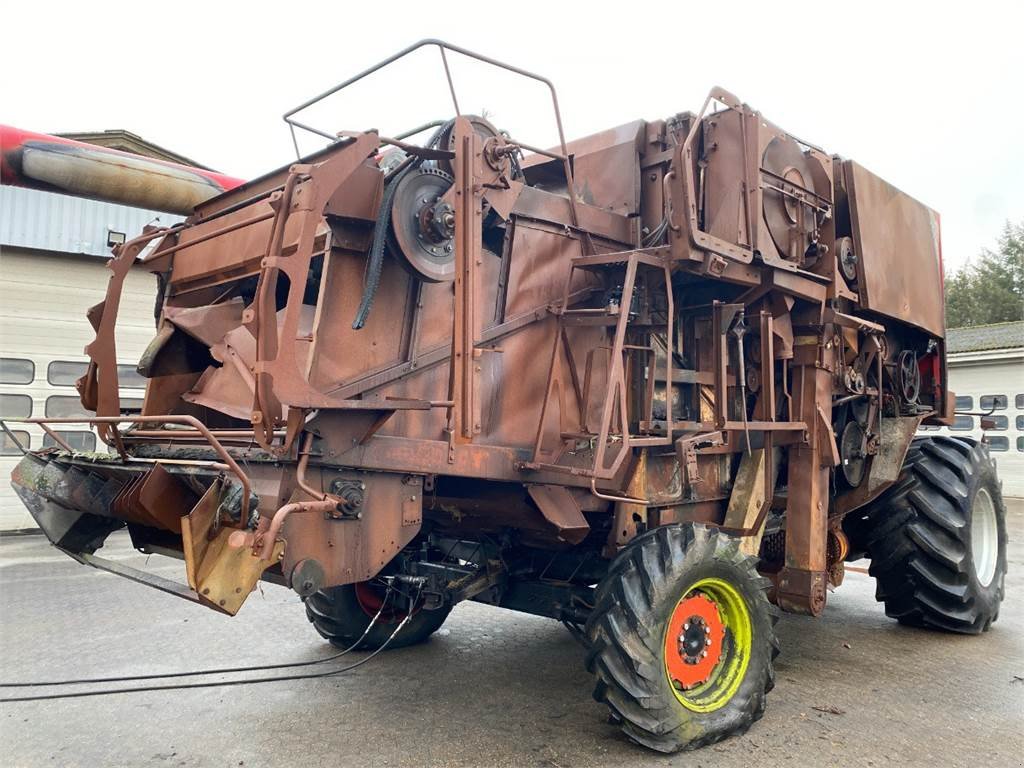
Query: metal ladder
[612,438]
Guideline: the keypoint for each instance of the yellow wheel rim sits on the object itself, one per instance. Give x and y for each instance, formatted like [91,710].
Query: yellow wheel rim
[707,645]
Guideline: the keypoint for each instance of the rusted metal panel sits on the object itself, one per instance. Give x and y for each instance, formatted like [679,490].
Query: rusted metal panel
[900,259]
[353,549]
[561,509]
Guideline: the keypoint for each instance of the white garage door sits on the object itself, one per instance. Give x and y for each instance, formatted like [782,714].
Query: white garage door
[996,388]
[43,332]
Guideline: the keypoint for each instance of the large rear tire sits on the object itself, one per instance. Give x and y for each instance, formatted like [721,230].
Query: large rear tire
[937,538]
[342,614]
[682,638]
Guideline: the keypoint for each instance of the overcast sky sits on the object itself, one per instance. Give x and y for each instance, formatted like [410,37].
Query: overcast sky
[928,95]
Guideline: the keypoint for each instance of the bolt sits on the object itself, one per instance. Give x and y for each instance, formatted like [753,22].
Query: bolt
[221,602]
[707,641]
[703,654]
[686,627]
[707,630]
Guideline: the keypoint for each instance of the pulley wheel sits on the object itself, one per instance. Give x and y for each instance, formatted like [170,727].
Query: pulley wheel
[852,453]
[422,229]
[847,259]
[482,128]
[909,375]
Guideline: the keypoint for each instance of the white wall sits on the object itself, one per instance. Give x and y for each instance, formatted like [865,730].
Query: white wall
[994,373]
[43,301]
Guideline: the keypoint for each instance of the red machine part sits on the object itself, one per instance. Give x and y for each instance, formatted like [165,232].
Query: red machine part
[53,164]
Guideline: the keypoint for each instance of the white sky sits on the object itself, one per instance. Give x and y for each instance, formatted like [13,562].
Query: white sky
[928,95]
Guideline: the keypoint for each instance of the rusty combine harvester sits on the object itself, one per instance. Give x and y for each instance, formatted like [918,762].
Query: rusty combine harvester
[651,383]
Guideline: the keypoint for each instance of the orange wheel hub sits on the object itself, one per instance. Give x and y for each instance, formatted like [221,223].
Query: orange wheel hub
[693,643]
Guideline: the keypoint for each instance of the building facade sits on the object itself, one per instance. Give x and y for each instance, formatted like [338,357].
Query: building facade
[986,371]
[53,254]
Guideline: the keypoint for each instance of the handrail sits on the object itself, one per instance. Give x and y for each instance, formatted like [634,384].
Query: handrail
[698,237]
[191,421]
[442,46]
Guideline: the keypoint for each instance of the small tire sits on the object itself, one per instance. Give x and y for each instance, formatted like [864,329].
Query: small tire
[632,636]
[937,538]
[341,617]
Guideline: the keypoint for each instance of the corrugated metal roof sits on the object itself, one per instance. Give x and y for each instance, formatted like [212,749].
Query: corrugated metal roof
[49,221]
[982,338]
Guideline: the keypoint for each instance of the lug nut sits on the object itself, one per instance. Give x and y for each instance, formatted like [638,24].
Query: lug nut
[707,641]
[686,627]
[703,654]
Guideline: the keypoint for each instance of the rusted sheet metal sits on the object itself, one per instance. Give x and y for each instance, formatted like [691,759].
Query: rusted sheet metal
[607,165]
[536,204]
[54,164]
[162,497]
[900,259]
[207,324]
[354,547]
[561,509]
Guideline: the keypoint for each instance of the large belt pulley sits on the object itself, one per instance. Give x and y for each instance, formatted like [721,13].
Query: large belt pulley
[422,227]
[422,230]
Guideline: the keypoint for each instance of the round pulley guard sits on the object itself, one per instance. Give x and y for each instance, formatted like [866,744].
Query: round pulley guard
[421,235]
[792,223]
[852,453]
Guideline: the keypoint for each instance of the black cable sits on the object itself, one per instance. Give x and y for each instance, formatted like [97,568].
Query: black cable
[375,261]
[222,684]
[198,673]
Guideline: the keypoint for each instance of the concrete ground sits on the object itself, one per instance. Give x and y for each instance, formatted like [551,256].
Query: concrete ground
[492,688]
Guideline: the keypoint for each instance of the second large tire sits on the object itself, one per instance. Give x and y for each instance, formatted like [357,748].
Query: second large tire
[342,614]
[937,538]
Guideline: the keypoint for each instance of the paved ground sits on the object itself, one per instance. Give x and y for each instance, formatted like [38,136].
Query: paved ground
[492,689]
